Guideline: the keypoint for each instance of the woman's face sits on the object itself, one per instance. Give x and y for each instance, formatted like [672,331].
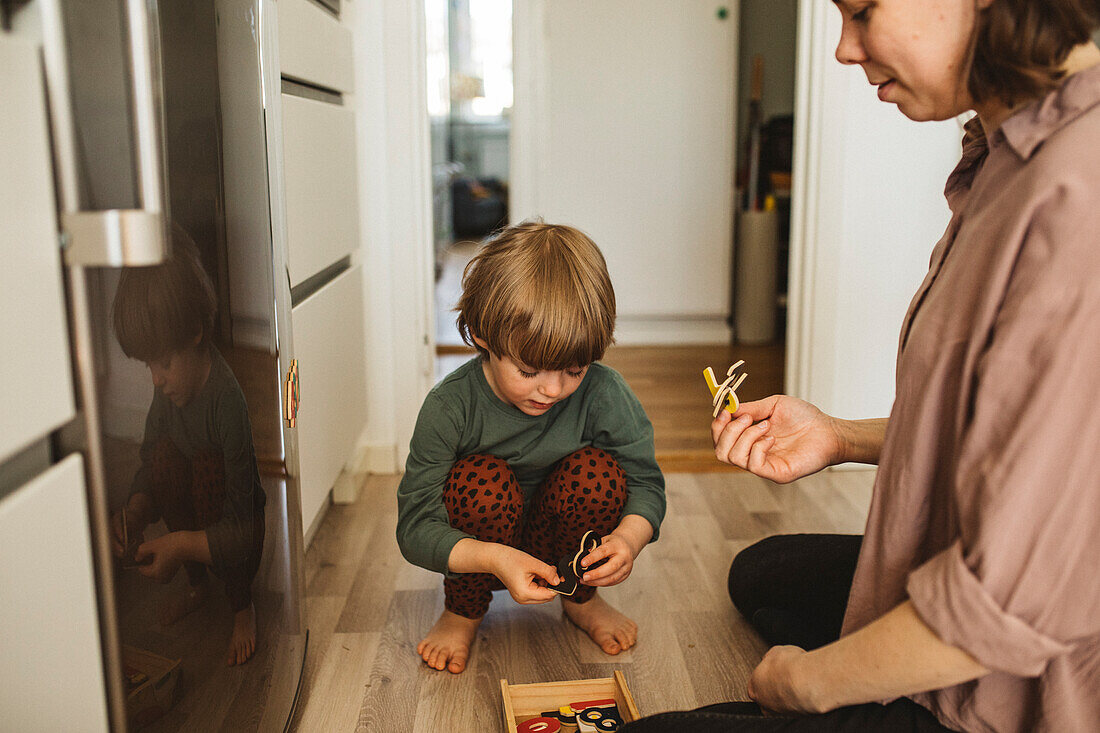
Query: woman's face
[914,51]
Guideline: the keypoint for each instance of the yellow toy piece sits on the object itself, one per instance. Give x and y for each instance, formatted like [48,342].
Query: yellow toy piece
[724,394]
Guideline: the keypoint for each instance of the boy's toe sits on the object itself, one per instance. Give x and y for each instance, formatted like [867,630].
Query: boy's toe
[458,662]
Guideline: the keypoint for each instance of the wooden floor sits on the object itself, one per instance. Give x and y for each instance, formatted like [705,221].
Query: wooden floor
[367,609]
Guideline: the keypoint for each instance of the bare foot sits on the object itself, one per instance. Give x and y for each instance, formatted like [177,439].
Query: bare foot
[447,645]
[180,603]
[242,642]
[611,630]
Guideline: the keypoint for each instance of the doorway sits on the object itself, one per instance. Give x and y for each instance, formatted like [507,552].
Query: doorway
[625,122]
[469,85]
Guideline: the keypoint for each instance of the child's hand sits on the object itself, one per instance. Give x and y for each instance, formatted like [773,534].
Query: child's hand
[619,550]
[521,572]
[620,561]
[163,556]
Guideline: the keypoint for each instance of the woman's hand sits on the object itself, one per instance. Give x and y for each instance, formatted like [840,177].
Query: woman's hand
[164,556]
[779,438]
[521,572]
[773,685]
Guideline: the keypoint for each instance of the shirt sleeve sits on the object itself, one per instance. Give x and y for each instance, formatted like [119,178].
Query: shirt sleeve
[231,538]
[424,532]
[619,425]
[1020,584]
[154,431]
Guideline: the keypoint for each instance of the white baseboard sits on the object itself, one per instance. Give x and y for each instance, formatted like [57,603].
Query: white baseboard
[311,530]
[643,330]
[376,459]
[346,488]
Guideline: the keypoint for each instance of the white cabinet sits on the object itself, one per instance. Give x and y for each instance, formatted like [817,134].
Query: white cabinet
[322,212]
[329,344]
[320,189]
[313,46]
[51,673]
[35,371]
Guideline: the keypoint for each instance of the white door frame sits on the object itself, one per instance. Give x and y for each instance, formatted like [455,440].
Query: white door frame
[805,190]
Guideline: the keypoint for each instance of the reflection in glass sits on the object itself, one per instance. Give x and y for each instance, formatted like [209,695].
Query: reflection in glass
[202,479]
[198,468]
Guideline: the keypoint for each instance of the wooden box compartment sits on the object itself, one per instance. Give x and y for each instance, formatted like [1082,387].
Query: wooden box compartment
[523,702]
[155,695]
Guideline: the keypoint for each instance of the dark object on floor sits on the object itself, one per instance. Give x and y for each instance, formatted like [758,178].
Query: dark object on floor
[480,206]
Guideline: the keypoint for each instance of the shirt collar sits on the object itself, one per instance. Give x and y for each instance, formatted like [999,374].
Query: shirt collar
[1028,128]
[1025,130]
[975,149]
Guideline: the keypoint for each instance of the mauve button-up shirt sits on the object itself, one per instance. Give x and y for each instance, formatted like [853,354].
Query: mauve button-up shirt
[986,509]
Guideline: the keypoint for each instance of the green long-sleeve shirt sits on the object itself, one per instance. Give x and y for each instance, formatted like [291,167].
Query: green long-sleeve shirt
[462,416]
[216,419]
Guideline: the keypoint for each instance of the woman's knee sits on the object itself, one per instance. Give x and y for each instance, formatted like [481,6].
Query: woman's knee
[748,574]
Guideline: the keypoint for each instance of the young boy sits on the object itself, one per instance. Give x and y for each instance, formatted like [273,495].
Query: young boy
[198,465]
[520,451]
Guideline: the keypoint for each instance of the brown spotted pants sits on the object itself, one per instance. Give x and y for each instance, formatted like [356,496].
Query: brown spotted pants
[188,495]
[585,491]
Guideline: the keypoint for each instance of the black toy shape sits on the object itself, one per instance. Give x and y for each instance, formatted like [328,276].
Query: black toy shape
[569,567]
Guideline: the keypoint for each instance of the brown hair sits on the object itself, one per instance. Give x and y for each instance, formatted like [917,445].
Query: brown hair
[1020,45]
[159,310]
[539,293]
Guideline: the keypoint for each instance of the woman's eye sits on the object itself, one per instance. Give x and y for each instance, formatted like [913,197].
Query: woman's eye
[576,374]
[861,15]
[528,375]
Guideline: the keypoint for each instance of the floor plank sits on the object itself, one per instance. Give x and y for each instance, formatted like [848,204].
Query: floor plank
[367,609]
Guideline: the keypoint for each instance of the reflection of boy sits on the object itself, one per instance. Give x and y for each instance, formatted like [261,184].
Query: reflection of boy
[198,466]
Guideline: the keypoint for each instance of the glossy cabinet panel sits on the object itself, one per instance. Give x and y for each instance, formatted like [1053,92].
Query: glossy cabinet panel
[35,370]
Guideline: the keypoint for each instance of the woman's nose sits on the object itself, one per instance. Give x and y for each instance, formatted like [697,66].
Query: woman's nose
[849,50]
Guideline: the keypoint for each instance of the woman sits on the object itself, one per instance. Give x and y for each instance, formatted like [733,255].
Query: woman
[975,601]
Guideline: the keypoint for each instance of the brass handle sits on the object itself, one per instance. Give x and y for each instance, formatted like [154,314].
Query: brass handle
[293,397]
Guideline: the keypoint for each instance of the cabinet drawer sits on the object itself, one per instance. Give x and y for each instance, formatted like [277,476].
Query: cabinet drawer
[52,676]
[35,370]
[313,46]
[329,346]
[321,185]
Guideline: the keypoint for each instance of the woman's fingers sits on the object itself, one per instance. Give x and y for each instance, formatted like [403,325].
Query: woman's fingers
[728,437]
[739,453]
[758,454]
[738,438]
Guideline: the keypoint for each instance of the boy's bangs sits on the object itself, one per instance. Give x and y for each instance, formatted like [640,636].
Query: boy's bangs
[554,349]
[143,336]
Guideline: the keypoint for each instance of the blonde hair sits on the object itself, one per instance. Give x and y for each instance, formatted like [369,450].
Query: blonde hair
[539,293]
[159,310]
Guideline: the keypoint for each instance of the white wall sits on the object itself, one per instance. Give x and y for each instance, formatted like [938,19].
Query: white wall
[868,209]
[395,221]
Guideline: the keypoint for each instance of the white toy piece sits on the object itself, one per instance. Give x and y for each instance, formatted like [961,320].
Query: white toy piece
[725,393]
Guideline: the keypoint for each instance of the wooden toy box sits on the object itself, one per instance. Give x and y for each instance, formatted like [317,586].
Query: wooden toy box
[523,702]
[153,697]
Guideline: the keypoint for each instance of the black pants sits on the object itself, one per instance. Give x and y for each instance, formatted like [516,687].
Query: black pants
[794,589]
